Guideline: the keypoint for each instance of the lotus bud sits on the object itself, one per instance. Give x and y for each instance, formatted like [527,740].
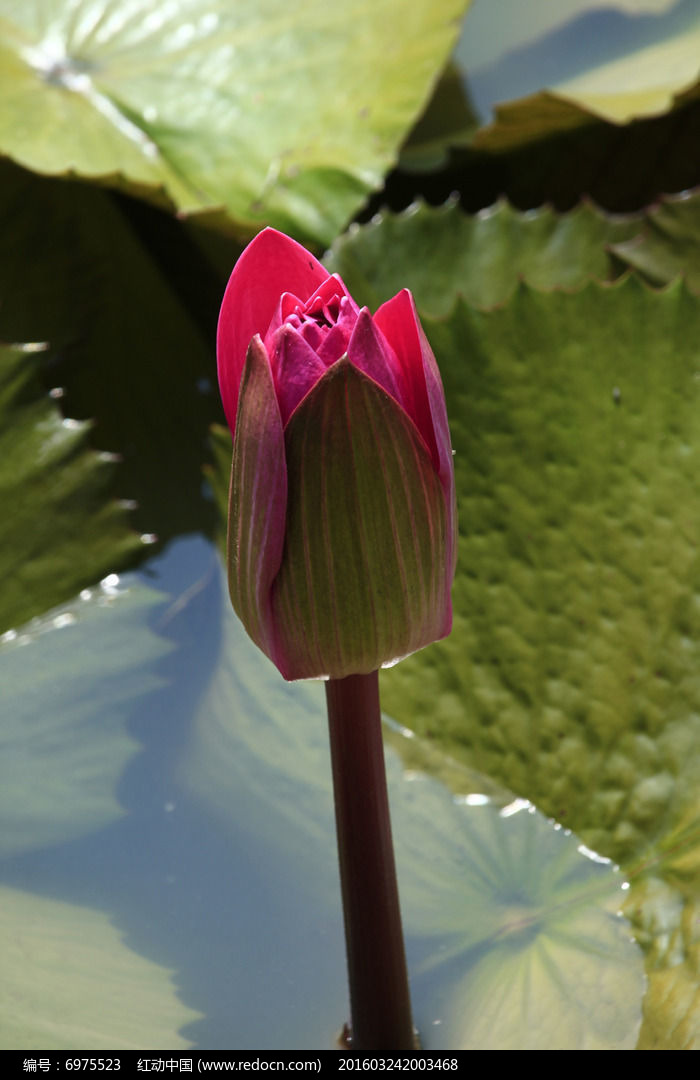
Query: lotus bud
[342,524]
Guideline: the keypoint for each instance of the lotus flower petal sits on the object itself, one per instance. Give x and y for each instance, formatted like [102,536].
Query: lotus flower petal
[297,368]
[272,264]
[370,352]
[398,320]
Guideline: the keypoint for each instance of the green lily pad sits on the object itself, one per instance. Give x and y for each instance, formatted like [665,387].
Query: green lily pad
[76,272]
[665,919]
[673,1008]
[645,83]
[532,945]
[206,105]
[547,148]
[497,35]
[668,244]
[60,530]
[441,253]
[70,982]
[267,739]
[569,674]
[63,749]
[647,67]
[447,121]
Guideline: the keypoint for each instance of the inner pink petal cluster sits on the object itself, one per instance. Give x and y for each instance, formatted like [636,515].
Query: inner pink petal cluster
[307,321]
[305,338]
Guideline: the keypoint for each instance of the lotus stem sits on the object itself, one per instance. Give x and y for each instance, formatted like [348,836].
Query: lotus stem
[379,993]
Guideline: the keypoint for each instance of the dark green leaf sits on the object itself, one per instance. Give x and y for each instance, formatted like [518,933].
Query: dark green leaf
[571,665]
[59,530]
[442,253]
[129,351]
[668,243]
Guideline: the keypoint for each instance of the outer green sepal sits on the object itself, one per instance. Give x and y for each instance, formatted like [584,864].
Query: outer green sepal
[257,499]
[362,581]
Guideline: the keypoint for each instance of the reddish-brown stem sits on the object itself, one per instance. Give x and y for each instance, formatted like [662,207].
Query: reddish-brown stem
[379,995]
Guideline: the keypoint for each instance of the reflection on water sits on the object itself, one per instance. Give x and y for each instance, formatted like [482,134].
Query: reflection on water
[190,822]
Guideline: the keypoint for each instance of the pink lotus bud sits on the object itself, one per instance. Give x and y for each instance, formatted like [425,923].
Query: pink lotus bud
[342,524]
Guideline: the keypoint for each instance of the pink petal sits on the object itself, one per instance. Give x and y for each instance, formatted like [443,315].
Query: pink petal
[332,287]
[287,304]
[296,369]
[420,378]
[425,396]
[369,351]
[271,265]
[258,500]
[312,334]
[336,340]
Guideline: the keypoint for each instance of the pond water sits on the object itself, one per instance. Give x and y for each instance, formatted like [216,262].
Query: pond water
[169,874]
